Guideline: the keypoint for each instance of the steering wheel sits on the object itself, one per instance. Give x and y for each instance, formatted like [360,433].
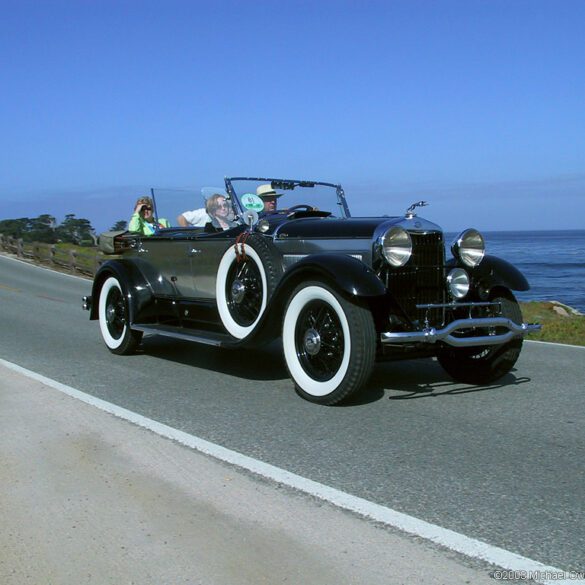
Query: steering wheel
[302,206]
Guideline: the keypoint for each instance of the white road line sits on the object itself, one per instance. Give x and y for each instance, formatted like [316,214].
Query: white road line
[556,344]
[441,536]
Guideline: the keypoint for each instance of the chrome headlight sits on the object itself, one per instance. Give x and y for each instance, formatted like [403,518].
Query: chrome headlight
[469,247]
[396,246]
[458,281]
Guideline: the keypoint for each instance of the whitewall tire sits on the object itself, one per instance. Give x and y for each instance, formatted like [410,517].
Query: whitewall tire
[113,319]
[328,342]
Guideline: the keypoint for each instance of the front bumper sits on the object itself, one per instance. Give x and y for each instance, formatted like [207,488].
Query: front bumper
[446,334]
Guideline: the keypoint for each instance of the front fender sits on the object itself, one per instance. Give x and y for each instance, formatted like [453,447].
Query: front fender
[138,291]
[493,272]
[348,273]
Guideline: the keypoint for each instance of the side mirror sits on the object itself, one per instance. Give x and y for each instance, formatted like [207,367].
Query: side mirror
[250,218]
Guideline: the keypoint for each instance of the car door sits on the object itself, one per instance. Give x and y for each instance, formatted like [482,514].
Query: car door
[206,253]
[169,256]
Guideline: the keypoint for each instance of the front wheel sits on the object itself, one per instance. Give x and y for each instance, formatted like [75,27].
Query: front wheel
[329,343]
[113,318]
[482,365]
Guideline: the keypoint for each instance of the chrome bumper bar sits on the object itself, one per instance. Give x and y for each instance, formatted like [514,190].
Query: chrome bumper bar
[432,335]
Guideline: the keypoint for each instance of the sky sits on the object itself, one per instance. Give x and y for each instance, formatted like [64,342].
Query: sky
[477,107]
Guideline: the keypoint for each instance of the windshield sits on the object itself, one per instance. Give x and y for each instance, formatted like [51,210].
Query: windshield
[192,207]
[283,196]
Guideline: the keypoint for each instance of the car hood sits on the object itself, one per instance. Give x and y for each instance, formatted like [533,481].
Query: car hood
[352,227]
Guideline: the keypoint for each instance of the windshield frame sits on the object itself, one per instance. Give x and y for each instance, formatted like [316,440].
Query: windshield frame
[278,183]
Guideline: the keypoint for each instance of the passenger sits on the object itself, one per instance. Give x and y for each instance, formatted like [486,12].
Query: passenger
[196,218]
[142,220]
[269,197]
[219,211]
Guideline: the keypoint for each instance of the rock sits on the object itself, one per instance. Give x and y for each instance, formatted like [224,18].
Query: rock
[564,310]
[561,311]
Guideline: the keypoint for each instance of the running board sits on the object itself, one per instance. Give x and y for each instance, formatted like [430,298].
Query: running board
[196,335]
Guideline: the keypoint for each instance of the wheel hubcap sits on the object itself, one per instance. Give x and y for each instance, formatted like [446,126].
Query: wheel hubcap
[319,340]
[312,342]
[111,314]
[238,291]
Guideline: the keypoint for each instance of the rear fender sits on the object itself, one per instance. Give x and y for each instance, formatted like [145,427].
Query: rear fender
[138,290]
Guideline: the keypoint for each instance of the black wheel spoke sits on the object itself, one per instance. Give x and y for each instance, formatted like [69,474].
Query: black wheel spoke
[246,311]
[115,313]
[322,318]
[319,318]
[243,270]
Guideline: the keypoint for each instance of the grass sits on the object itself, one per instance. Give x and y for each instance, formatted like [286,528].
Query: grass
[85,256]
[559,323]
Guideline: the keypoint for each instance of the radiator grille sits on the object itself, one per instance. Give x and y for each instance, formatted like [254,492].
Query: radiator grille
[422,280]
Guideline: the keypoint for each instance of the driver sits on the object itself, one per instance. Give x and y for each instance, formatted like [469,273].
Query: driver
[269,197]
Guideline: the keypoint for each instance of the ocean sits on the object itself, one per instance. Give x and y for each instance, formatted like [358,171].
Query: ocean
[552,261]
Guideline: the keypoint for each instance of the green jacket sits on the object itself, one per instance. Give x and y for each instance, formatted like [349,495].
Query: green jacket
[138,224]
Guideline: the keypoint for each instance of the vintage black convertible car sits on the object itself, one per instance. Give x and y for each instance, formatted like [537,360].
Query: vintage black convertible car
[341,292]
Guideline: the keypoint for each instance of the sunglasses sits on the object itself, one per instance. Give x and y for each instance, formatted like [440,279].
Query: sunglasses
[146,208]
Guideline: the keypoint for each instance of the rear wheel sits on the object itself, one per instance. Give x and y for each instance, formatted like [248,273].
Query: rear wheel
[329,343]
[113,319]
[482,365]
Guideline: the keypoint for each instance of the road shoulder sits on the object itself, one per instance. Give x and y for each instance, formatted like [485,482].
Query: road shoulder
[89,498]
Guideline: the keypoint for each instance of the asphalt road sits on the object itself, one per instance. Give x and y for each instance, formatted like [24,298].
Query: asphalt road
[501,463]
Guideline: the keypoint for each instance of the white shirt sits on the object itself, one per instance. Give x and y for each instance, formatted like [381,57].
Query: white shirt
[197,217]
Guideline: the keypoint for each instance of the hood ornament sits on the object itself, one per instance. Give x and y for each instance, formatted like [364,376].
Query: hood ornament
[410,211]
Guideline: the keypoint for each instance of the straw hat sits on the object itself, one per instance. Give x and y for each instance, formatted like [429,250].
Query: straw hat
[267,191]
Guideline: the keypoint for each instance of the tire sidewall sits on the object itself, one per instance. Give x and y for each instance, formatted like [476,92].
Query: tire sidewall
[299,300]
[112,343]
[499,360]
[233,327]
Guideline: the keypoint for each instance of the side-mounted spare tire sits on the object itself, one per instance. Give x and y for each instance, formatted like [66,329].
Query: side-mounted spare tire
[114,319]
[246,278]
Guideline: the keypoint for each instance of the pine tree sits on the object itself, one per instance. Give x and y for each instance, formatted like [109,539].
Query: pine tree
[120,225]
